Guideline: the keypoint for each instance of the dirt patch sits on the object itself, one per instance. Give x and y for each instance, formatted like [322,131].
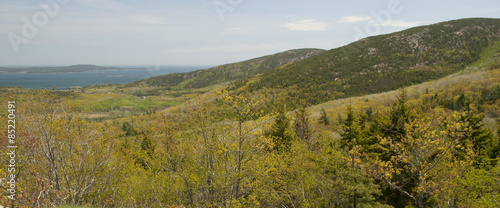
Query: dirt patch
[96,115]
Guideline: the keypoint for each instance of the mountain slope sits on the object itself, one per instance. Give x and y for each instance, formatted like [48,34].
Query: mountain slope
[228,72]
[383,63]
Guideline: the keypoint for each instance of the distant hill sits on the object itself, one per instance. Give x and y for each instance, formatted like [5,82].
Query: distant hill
[228,72]
[57,69]
[383,63]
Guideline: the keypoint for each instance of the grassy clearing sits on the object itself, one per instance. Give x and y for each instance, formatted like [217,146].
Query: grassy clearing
[103,106]
[471,84]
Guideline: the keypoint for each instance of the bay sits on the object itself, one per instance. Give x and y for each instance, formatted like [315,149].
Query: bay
[64,81]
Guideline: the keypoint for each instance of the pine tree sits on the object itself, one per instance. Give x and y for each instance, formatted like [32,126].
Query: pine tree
[147,146]
[399,116]
[301,123]
[129,129]
[349,129]
[479,137]
[279,131]
[323,119]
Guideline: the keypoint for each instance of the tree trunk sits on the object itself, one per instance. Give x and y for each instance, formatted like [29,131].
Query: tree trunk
[355,196]
[420,202]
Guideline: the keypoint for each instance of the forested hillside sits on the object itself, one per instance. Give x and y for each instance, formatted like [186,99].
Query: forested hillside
[383,63]
[229,72]
[281,138]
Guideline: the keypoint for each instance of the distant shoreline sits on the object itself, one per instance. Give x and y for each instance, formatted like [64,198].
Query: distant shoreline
[42,77]
[48,72]
[65,69]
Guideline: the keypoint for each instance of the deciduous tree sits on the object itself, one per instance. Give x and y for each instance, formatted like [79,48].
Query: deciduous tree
[424,156]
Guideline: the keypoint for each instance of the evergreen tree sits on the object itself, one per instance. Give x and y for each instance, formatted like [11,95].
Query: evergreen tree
[399,116]
[422,165]
[393,128]
[129,129]
[279,132]
[147,146]
[323,119]
[354,142]
[301,124]
[479,137]
[350,131]
[495,151]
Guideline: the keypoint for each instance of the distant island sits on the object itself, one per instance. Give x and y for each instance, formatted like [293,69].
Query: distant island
[61,69]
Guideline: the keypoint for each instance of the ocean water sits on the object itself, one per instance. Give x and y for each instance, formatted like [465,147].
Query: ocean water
[64,81]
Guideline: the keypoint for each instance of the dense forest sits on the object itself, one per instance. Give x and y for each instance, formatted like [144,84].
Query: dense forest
[383,63]
[257,142]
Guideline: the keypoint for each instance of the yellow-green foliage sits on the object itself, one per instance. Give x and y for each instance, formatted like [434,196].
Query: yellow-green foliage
[212,150]
[70,206]
[470,84]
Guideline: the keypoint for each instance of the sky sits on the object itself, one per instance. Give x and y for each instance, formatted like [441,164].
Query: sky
[204,32]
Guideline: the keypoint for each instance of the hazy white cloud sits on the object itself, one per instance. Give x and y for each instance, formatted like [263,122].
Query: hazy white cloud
[307,25]
[388,23]
[352,19]
[399,23]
